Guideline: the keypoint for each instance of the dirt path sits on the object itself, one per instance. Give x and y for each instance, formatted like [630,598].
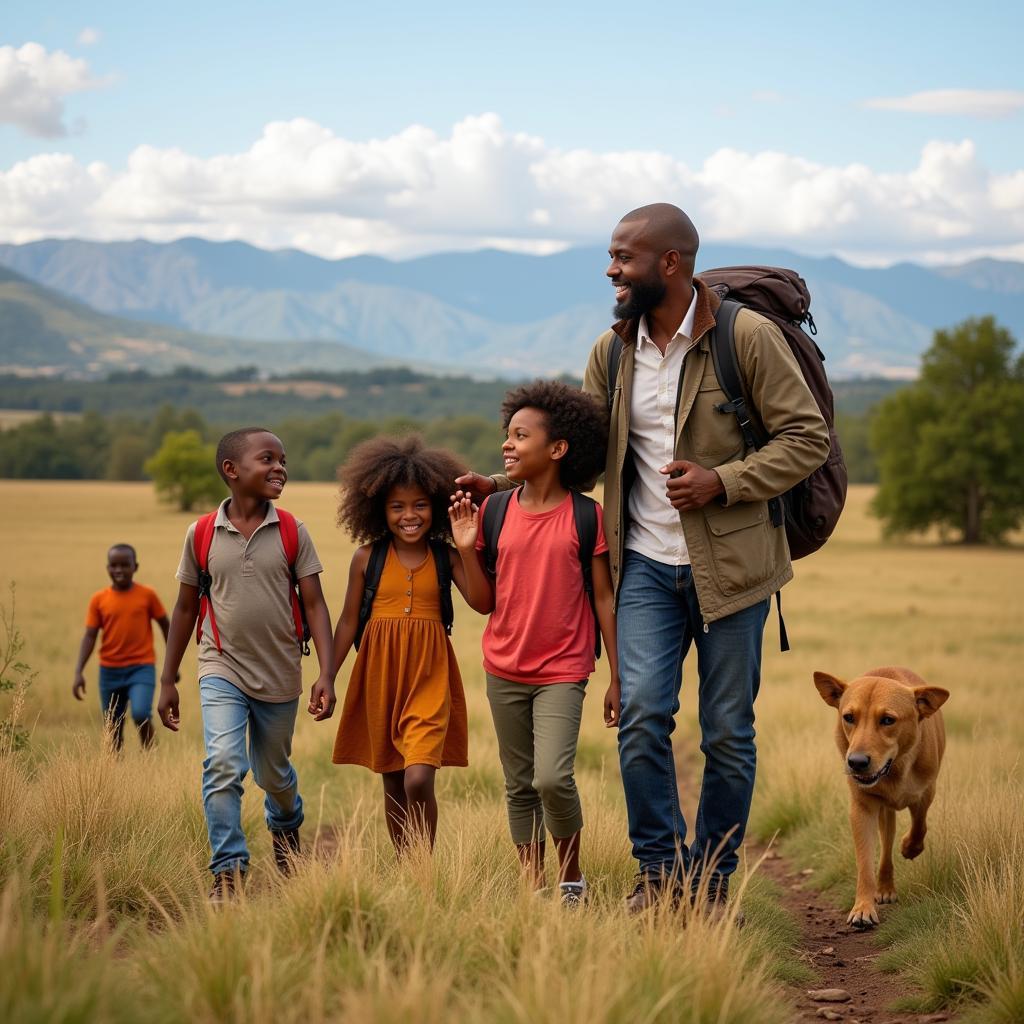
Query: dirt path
[841,957]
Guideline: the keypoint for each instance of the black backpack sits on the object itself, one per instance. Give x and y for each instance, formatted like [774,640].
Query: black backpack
[375,566]
[584,511]
[810,510]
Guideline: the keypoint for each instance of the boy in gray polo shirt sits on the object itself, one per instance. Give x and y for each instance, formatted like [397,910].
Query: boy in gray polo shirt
[250,672]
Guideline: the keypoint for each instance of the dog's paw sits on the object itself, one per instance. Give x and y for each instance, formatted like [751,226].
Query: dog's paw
[863,915]
[911,847]
[886,894]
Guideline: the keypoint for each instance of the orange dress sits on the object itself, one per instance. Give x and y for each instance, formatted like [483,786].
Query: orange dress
[405,704]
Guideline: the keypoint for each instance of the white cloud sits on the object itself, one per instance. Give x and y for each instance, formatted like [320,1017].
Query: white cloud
[88,37]
[33,84]
[480,184]
[954,102]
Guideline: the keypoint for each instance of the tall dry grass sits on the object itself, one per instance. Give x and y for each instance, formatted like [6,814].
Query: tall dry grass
[102,858]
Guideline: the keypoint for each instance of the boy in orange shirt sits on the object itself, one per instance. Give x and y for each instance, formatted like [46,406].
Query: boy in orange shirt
[123,611]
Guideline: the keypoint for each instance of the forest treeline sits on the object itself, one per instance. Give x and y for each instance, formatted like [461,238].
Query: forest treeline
[106,430]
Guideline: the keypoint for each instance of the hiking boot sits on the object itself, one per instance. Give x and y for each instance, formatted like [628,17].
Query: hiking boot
[286,848]
[648,892]
[573,895]
[716,904]
[227,886]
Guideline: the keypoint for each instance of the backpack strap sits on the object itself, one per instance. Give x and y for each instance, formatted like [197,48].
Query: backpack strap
[371,580]
[289,531]
[494,519]
[727,370]
[783,635]
[584,511]
[443,564]
[202,540]
[614,357]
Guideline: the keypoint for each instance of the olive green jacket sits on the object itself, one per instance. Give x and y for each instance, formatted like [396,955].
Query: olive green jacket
[737,557]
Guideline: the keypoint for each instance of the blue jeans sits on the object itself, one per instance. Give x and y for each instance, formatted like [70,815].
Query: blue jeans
[130,686]
[658,619]
[227,711]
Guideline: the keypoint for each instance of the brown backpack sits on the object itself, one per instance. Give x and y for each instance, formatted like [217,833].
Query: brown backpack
[811,509]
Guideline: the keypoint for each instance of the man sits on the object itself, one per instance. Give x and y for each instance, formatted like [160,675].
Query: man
[694,554]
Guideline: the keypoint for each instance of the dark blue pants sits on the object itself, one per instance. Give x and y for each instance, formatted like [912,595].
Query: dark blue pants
[129,687]
[658,619]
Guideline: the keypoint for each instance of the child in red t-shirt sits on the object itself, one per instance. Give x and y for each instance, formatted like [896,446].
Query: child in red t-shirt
[539,643]
[124,611]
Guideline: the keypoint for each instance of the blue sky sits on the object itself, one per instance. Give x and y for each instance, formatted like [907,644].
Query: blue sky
[757,118]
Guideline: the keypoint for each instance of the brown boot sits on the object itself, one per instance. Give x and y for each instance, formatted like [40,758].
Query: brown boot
[650,892]
[286,848]
[227,886]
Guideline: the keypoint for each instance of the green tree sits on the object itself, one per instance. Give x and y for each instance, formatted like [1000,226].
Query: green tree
[854,432]
[127,457]
[168,419]
[184,470]
[949,445]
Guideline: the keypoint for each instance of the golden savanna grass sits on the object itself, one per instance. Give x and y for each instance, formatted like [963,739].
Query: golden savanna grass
[102,859]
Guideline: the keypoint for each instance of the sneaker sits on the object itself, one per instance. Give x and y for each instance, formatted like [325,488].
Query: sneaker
[573,895]
[227,886]
[647,893]
[286,848]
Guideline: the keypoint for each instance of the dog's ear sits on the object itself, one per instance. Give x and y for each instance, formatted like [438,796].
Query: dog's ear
[929,699]
[830,688]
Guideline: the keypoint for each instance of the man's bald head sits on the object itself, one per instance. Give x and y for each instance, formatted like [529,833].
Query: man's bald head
[667,227]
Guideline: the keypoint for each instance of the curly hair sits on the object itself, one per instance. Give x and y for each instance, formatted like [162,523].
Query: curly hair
[572,416]
[376,466]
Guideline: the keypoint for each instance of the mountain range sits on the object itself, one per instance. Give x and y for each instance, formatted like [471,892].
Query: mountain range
[44,333]
[483,313]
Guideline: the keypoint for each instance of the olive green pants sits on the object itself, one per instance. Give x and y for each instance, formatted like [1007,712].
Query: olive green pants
[538,728]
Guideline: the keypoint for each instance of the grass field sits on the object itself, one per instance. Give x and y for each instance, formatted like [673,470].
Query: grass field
[102,859]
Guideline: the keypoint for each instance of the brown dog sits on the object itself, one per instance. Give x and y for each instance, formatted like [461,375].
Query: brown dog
[891,736]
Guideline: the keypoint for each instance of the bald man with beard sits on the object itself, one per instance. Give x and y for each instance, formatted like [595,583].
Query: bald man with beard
[694,554]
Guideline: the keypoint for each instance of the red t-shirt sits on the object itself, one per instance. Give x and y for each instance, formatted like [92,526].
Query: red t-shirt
[542,626]
[124,617]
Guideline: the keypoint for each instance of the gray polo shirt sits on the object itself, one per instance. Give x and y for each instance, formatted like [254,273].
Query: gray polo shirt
[251,601]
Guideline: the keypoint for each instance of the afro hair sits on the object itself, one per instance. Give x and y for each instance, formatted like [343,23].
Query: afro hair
[572,416]
[376,466]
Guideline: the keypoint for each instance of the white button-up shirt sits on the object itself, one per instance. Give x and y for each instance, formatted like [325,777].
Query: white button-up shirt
[654,527]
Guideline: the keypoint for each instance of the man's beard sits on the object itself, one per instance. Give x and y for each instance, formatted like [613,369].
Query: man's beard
[641,298]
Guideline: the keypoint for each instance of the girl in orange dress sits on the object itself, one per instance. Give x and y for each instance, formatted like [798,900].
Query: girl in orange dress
[405,712]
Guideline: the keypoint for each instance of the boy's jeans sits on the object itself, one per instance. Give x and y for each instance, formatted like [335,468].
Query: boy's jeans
[130,686]
[226,713]
[658,618]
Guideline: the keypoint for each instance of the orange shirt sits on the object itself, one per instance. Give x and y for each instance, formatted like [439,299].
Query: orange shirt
[542,627]
[123,617]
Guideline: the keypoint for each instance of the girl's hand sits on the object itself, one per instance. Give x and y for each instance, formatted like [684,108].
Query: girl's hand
[612,704]
[465,520]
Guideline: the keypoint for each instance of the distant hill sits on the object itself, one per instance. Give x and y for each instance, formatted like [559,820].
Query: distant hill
[491,312]
[44,333]
[999,276]
[241,397]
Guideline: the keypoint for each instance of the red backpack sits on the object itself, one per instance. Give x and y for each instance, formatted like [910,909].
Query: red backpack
[202,539]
